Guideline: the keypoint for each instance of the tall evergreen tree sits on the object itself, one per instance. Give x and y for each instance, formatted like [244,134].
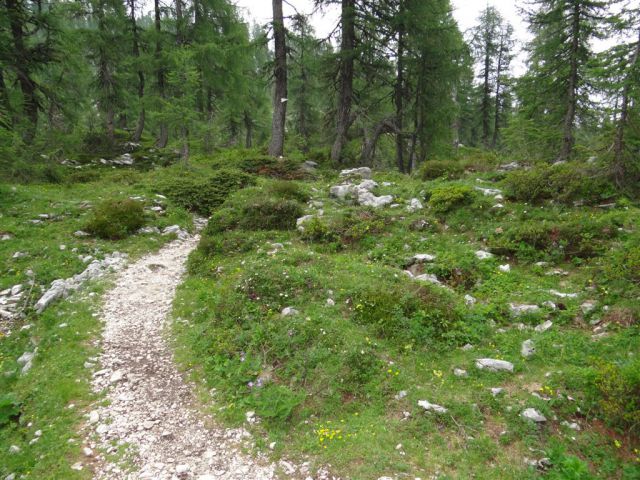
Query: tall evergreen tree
[276,146]
[555,89]
[28,44]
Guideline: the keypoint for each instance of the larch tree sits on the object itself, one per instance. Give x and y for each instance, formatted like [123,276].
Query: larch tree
[27,46]
[486,46]
[276,145]
[503,62]
[345,77]
[557,81]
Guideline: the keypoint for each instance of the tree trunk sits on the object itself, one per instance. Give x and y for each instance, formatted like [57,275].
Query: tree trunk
[345,94]
[163,137]
[486,89]
[248,126]
[6,122]
[399,97]
[619,142]
[184,150]
[369,146]
[496,117]
[570,115]
[179,23]
[110,115]
[27,84]
[105,75]
[136,53]
[276,147]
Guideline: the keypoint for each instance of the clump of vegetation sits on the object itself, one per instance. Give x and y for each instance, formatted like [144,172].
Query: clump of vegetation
[433,169]
[318,230]
[287,190]
[623,265]
[265,213]
[256,162]
[563,183]
[409,313]
[116,219]
[618,394]
[449,197]
[350,228]
[204,195]
[274,206]
[579,237]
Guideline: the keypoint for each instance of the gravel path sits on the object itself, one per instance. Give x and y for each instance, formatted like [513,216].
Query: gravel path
[150,406]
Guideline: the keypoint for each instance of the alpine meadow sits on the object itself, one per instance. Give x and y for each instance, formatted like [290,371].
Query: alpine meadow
[319,240]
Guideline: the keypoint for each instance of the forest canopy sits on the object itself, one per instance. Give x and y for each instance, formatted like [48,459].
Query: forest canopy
[397,82]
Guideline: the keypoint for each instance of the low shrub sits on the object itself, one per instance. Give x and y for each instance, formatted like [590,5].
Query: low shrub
[257,162]
[9,409]
[257,209]
[408,314]
[564,183]
[581,237]
[618,394]
[623,264]
[287,190]
[116,219]
[204,195]
[230,243]
[446,198]
[350,228]
[432,169]
[318,230]
[270,214]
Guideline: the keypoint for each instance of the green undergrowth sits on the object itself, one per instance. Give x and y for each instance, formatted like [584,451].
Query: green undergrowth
[338,381]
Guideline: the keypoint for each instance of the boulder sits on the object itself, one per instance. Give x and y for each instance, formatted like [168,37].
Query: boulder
[414,205]
[533,415]
[494,365]
[528,348]
[495,391]
[362,172]
[302,220]
[518,309]
[431,407]
[489,192]
[543,327]
[367,185]
[309,165]
[341,191]
[508,167]
[483,255]
[176,230]
[422,258]
[368,199]
[563,295]
[60,288]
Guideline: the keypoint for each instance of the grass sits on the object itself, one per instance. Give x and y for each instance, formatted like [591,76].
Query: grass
[339,382]
[326,382]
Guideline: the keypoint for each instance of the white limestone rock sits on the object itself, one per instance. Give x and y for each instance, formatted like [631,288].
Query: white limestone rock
[494,365]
